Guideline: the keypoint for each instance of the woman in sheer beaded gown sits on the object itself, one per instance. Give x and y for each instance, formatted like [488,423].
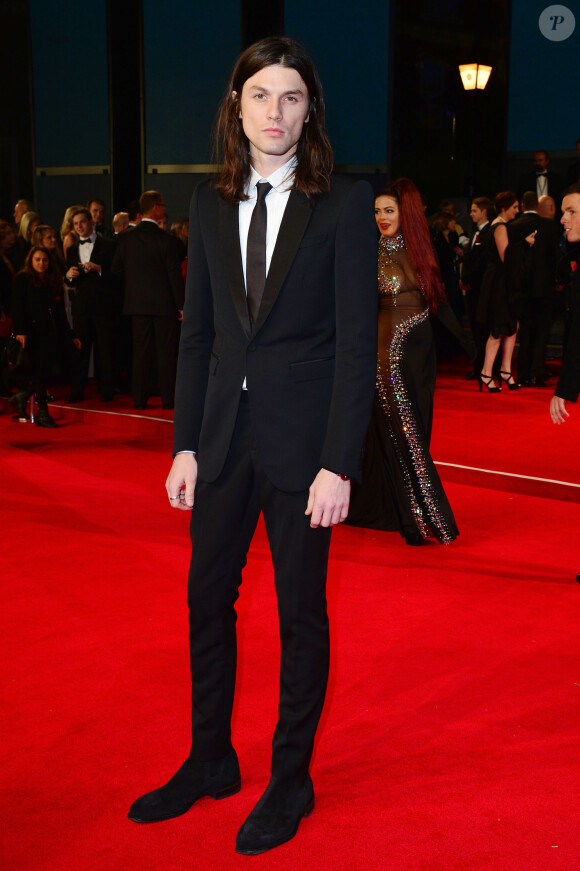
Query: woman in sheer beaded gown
[401,489]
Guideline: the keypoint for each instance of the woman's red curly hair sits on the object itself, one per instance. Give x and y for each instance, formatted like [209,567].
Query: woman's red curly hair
[415,230]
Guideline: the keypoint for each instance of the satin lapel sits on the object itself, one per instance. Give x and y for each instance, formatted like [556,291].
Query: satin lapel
[296,216]
[230,245]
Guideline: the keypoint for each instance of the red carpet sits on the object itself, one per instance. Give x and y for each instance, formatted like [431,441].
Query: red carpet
[450,737]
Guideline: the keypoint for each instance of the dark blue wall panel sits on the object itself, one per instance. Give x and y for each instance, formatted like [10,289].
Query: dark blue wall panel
[189,50]
[70,83]
[350,47]
[544,97]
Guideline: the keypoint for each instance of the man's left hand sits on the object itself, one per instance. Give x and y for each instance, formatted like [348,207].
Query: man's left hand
[328,499]
[558,411]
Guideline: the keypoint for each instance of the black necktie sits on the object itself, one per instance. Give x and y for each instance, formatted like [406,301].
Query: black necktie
[256,252]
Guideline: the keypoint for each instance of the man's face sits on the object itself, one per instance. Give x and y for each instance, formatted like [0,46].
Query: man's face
[274,106]
[571,217]
[82,225]
[540,161]
[97,212]
[477,215]
[19,210]
[159,212]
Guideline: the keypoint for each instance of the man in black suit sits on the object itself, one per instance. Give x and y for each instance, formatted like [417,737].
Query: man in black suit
[96,207]
[149,262]
[474,266]
[568,387]
[275,379]
[542,180]
[573,171]
[534,268]
[93,305]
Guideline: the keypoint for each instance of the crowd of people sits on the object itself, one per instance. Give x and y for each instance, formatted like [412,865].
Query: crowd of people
[93,300]
[510,275]
[113,305]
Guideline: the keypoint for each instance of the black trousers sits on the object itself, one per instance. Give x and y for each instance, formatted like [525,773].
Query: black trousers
[97,330]
[154,338]
[479,332]
[533,335]
[223,522]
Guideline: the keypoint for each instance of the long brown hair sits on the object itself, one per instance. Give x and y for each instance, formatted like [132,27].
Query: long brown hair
[51,279]
[231,146]
[415,230]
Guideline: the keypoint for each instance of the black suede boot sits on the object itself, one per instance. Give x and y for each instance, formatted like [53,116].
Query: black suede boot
[276,817]
[43,417]
[190,782]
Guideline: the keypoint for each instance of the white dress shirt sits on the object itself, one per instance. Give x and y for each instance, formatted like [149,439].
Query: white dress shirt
[541,185]
[86,249]
[276,200]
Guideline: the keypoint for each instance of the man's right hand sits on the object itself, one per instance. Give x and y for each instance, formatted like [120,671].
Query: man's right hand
[180,484]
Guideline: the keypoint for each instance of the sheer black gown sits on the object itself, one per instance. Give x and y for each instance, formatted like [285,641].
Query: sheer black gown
[401,489]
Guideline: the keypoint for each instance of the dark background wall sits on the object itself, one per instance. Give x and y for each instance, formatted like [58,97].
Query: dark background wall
[127,101]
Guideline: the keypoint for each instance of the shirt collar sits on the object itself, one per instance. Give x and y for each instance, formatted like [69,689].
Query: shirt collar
[92,237]
[281,179]
[481,226]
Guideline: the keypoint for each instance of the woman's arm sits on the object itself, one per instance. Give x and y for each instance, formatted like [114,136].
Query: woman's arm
[501,241]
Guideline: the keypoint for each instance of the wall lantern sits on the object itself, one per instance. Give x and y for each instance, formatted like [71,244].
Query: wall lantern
[474,76]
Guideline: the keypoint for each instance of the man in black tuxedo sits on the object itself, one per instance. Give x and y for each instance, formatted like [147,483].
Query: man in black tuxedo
[93,305]
[573,171]
[149,262]
[534,267]
[96,207]
[474,265]
[568,387]
[276,372]
[541,180]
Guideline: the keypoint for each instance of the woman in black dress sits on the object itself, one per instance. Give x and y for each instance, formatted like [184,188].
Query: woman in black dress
[499,303]
[38,316]
[401,489]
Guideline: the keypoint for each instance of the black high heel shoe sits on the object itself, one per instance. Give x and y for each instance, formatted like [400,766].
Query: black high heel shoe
[512,385]
[487,380]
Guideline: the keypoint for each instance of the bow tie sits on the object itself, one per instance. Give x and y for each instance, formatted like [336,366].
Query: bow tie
[82,241]
[540,174]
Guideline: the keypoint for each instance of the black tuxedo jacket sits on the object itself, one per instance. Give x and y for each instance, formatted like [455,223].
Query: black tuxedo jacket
[569,381]
[573,173]
[536,264]
[555,186]
[310,360]
[94,293]
[476,259]
[148,260]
